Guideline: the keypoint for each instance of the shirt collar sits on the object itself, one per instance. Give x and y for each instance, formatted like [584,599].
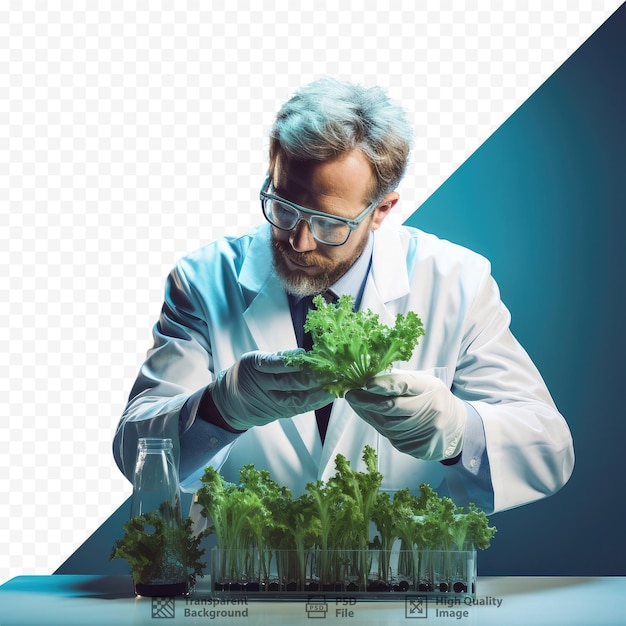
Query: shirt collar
[352,282]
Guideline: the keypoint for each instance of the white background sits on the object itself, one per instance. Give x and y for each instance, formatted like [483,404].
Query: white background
[132,133]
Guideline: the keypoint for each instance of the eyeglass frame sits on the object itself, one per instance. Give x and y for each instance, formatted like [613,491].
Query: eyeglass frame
[352,224]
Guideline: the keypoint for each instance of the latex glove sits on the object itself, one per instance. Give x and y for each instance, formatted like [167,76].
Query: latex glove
[415,411]
[259,388]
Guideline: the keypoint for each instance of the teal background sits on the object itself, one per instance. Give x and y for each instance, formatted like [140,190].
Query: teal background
[544,199]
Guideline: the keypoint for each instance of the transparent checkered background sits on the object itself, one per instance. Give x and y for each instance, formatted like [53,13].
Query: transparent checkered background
[132,133]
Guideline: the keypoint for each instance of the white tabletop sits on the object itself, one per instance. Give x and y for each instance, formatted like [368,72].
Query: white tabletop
[500,601]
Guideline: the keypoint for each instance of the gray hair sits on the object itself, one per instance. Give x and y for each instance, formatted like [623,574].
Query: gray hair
[328,118]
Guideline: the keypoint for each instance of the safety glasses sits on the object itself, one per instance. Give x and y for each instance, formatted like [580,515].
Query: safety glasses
[326,229]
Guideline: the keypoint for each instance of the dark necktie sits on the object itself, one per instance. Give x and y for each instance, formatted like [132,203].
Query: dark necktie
[323,414]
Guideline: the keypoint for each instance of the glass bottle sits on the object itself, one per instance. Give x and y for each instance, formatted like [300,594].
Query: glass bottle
[156,490]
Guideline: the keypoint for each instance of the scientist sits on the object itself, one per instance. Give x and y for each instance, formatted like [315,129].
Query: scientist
[469,413]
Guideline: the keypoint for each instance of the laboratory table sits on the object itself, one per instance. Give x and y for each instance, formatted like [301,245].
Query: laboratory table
[500,601]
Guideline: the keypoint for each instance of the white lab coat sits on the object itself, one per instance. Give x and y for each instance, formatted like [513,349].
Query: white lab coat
[225,299]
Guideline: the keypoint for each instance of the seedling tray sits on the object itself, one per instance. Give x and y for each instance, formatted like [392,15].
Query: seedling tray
[368,574]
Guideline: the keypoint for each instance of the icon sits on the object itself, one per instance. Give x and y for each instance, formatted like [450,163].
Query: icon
[415,607]
[163,607]
[316,607]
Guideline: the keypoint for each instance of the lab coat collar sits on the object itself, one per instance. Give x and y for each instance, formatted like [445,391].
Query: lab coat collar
[388,279]
[257,267]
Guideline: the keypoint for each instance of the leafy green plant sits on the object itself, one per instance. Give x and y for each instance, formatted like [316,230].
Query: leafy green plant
[351,347]
[158,550]
[361,489]
[333,517]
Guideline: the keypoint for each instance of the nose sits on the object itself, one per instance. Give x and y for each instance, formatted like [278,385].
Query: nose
[301,238]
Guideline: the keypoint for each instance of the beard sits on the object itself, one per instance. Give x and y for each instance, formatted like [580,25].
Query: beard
[299,283]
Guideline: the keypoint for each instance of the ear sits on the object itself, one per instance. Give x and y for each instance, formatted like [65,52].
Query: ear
[383,208]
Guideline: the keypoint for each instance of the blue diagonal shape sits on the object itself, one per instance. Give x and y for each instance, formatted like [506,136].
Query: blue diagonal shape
[544,199]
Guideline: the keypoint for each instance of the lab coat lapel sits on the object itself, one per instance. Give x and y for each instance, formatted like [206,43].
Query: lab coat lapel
[267,315]
[268,319]
[386,282]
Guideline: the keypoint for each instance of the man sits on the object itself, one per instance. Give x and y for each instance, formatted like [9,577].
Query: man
[468,414]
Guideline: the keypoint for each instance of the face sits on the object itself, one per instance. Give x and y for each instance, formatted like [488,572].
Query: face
[338,187]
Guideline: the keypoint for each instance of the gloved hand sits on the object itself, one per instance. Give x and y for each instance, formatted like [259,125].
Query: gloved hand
[415,411]
[259,388]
